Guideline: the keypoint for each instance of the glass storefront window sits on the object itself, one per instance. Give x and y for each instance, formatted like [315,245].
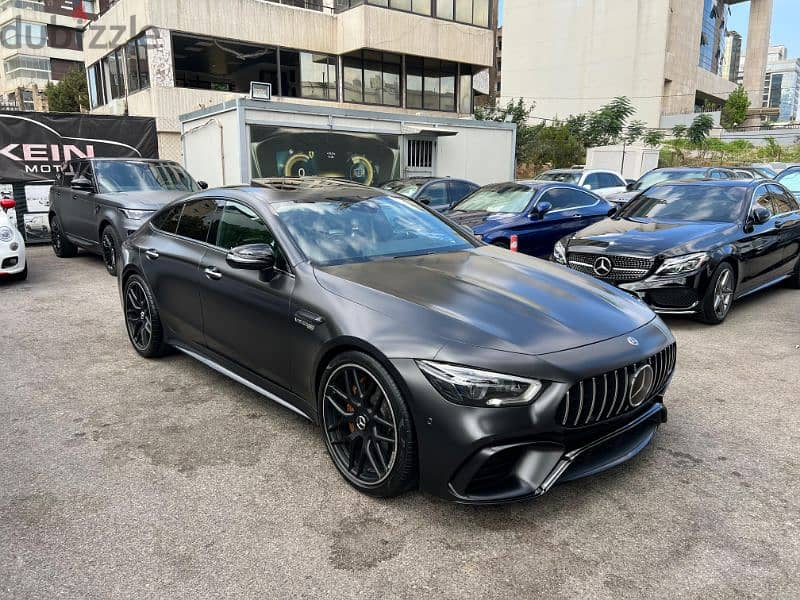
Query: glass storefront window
[372,77]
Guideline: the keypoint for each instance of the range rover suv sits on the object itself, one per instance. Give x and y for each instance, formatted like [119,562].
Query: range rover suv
[97,203]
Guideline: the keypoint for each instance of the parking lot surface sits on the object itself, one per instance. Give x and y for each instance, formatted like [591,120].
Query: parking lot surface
[128,478]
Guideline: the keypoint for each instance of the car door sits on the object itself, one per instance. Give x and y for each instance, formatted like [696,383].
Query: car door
[67,202]
[572,209]
[760,249]
[435,195]
[86,207]
[787,220]
[171,249]
[246,313]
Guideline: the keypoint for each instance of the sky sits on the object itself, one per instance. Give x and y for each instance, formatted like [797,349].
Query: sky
[785,24]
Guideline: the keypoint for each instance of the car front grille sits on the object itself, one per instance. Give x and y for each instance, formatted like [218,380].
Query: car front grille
[608,395]
[623,268]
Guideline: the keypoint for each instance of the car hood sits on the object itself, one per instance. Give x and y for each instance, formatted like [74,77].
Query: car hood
[481,221]
[144,200]
[621,197]
[491,298]
[647,237]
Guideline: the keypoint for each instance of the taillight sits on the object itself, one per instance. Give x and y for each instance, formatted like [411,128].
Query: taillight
[514,245]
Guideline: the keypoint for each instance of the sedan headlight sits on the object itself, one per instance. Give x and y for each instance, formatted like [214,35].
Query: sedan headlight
[471,387]
[136,215]
[682,264]
[560,253]
[6,234]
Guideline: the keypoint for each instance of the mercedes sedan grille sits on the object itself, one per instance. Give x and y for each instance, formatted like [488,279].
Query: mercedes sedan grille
[614,268]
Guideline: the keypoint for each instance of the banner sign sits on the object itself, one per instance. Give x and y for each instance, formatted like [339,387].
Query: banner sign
[34,146]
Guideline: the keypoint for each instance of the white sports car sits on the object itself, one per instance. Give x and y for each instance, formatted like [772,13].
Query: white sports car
[13,264]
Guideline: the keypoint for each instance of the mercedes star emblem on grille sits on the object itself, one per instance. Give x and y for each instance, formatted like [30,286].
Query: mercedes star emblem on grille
[641,385]
[603,266]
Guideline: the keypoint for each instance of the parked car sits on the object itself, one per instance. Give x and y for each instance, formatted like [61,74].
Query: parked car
[13,262]
[694,247]
[438,193]
[96,203]
[601,182]
[790,178]
[415,348]
[670,174]
[752,172]
[528,217]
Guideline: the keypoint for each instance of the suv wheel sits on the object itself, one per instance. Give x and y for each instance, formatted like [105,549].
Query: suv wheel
[718,298]
[109,243]
[367,426]
[62,247]
[142,319]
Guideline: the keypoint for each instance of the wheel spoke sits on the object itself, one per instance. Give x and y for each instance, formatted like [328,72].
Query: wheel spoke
[372,462]
[343,421]
[383,438]
[359,389]
[380,457]
[383,422]
[338,408]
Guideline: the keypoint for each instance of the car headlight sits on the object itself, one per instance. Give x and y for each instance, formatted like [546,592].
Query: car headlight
[683,264]
[6,234]
[136,215]
[560,253]
[471,387]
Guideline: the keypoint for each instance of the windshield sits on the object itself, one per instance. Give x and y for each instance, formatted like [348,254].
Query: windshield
[497,198]
[402,187]
[791,180]
[724,204]
[765,172]
[347,231]
[654,177]
[135,176]
[560,176]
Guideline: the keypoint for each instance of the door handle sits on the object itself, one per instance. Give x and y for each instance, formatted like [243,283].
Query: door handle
[577,216]
[152,254]
[213,273]
[74,196]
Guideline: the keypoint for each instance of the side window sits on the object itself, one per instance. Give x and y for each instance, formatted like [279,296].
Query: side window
[563,198]
[168,220]
[196,220]
[436,193]
[239,225]
[459,189]
[69,172]
[609,180]
[781,203]
[593,181]
[744,175]
[762,198]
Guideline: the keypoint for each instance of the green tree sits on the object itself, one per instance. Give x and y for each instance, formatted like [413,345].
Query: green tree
[698,131]
[605,126]
[679,131]
[634,132]
[514,112]
[556,145]
[71,94]
[653,138]
[734,111]
[772,150]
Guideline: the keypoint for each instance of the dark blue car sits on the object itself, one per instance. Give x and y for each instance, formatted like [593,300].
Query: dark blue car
[529,216]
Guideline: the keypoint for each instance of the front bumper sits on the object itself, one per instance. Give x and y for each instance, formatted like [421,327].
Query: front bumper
[496,455]
[670,295]
[12,262]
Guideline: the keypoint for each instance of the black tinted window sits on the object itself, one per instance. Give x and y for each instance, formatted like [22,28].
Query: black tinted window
[239,226]
[688,203]
[197,218]
[781,201]
[459,189]
[133,176]
[168,220]
[563,198]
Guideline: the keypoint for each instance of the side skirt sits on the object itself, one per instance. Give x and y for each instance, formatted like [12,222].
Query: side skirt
[764,286]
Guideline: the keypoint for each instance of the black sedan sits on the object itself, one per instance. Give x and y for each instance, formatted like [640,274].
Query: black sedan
[693,247]
[438,193]
[428,359]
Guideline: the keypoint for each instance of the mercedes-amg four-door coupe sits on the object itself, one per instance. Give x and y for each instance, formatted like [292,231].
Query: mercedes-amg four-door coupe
[693,247]
[428,359]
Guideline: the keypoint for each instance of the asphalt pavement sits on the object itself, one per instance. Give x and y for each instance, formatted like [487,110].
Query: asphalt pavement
[127,478]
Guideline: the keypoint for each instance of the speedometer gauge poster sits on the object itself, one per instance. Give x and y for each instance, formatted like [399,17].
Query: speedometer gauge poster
[367,158]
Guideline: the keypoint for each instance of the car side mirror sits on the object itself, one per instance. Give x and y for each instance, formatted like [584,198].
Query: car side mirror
[613,210]
[760,215]
[543,208]
[424,200]
[629,187]
[203,185]
[587,186]
[252,257]
[81,183]
[7,204]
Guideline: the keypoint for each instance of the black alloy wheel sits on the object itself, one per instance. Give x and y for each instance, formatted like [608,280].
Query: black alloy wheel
[366,426]
[142,319]
[718,298]
[110,247]
[62,247]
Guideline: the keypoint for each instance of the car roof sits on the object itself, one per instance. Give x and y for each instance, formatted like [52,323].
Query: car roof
[713,182]
[308,189]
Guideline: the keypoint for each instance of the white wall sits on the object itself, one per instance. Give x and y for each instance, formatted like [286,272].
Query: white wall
[631,161]
[212,149]
[480,155]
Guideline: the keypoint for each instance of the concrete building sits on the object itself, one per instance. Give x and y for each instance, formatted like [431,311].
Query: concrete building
[40,41]
[782,85]
[401,56]
[573,56]
[732,56]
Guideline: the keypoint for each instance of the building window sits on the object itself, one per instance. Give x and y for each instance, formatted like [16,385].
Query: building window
[114,68]
[317,76]
[430,84]
[27,67]
[371,77]
[473,12]
[137,65]
[465,89]
[215,64]
[97,91]
[18,34]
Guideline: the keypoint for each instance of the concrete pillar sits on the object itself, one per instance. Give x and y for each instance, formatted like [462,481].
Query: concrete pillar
[757,48]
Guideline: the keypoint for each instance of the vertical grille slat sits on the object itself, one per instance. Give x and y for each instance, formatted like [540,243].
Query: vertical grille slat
[592,401]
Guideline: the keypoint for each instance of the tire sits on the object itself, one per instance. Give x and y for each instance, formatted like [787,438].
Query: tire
[366,426]
[22,275]
[718,297]
[109,245]
[142,320]
[62,247]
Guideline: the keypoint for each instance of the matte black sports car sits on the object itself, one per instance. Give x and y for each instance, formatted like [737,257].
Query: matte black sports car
[429,359]
[693,247]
